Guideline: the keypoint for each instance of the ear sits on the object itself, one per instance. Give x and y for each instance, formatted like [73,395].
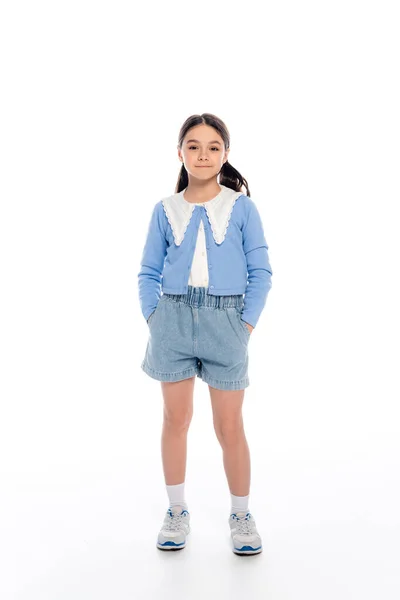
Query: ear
[226,155]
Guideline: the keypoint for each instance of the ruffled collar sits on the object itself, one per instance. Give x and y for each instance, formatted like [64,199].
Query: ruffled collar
[179,212]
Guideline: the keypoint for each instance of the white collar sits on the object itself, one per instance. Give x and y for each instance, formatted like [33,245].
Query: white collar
[179,212]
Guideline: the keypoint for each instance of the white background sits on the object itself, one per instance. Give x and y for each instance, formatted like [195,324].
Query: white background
[93,97]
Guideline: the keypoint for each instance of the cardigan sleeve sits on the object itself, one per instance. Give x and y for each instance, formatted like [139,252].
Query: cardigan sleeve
[259,271]
[152,262]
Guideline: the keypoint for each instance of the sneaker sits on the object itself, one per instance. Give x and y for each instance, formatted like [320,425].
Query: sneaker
[245,537]
[172,535]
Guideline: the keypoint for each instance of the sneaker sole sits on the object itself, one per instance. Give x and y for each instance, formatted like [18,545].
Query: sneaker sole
[171,546]
[247,550]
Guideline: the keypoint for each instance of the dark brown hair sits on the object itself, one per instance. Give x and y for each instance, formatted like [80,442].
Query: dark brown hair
[229,176]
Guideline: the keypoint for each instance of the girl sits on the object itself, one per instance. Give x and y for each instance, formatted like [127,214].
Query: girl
[206,250]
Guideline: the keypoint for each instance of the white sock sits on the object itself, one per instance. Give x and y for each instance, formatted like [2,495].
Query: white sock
[176,495]
[239,503]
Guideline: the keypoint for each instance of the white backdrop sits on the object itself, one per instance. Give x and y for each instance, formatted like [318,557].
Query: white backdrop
[93,97]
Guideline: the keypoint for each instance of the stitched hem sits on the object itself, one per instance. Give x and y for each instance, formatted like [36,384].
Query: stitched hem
[201,373]
[213,291]
[240,384]
[160,376]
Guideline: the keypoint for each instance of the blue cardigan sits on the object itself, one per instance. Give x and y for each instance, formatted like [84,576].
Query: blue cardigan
[239,265]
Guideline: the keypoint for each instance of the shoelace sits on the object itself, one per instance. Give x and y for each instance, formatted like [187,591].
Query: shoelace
[243,525]
[174,522]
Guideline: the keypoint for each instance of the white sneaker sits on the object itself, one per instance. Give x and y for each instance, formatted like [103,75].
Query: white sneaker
[172,535]
[245,537]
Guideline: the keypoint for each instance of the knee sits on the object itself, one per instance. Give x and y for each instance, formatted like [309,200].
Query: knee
[177,422]
[229,432]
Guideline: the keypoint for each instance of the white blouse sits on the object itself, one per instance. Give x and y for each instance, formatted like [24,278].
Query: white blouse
[179,212]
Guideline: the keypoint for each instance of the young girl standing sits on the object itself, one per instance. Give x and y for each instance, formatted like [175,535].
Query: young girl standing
[203,283]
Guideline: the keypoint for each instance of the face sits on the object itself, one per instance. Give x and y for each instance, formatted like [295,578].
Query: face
[203,152]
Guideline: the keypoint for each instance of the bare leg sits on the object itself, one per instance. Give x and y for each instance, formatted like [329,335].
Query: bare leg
[178,412]
[228,425]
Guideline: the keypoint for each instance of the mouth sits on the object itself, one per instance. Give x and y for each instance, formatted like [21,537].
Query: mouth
[203,166]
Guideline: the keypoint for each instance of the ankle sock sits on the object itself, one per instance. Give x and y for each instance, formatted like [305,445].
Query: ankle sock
[176,495]
[239,503]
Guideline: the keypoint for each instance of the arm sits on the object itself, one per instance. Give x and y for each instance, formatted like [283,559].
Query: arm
[152,262]
[259,269]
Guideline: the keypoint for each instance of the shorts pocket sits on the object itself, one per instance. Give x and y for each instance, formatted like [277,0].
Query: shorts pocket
[149,320]
[243,324]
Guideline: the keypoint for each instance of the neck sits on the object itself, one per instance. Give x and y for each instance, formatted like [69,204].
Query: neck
[201,192]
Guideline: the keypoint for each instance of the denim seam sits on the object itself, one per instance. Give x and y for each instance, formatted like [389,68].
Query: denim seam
[224,381]
[188,370]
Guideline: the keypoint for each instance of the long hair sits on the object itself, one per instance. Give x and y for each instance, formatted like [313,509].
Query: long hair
[228,175]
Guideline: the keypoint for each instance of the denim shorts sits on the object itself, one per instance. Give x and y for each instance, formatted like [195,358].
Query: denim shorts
[198,334]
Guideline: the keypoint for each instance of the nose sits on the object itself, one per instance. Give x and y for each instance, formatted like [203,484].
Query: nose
[203,155]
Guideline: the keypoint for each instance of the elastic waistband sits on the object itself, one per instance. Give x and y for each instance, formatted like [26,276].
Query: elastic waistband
[198,296]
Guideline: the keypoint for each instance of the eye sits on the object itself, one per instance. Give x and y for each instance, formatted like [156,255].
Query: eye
[212,148]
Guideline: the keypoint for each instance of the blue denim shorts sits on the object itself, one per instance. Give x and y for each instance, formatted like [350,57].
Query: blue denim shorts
[198,334]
